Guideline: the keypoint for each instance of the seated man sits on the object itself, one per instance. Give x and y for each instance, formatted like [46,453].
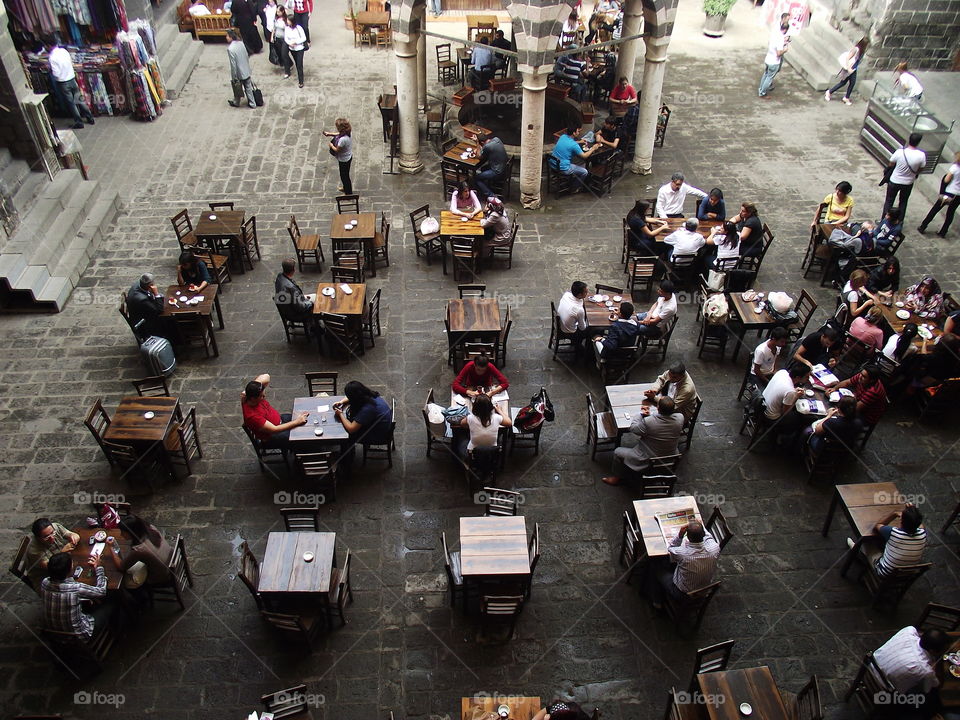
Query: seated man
[712,207]
[267,425]
[480,377]
[622,96]
[621,334]
[651,435]
[695,553]
[482,61]
[501,42]
[909,659]
[820,347]
[780,398]
[145,303]
[571,69]
[608,135]
[670,197]
[289,298]
[366,417]
[654,322]
[573,318]
[49,538]
[885,232]
[890,548]
[493,160]
[566,149]
[840,425]
[61,596]
[676,384]
[685,240]
[766,355]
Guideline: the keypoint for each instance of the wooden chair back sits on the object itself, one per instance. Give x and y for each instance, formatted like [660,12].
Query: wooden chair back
[285,703]
[807,702]
[938,617]
[215,206]
[97,422]
[713,659]
[870,684]
[183,228]
[471,291]
[717,526]
[342,274]
[348,204]
[443,52]
[632,550]
[889,589]
[324,382]
[249,572]
[19,565]
[501,502]
[301,519]
[656,486]
[608,290]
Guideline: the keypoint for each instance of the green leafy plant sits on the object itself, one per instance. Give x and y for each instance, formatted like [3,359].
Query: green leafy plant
[718,7]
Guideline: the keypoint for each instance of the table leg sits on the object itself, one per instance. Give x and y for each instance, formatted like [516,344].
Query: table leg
[833,509]
[368,255]
[216,305]
[740,337]
[443,253]
[213,337]
[851,556]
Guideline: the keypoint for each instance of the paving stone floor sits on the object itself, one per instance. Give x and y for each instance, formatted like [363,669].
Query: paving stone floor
[584,634]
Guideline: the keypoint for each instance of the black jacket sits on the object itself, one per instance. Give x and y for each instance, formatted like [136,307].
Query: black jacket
[290,299]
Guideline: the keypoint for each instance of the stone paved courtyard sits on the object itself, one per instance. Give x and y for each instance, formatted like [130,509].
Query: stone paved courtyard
[584,634]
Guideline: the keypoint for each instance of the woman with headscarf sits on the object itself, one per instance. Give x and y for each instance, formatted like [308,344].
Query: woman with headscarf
[925,298]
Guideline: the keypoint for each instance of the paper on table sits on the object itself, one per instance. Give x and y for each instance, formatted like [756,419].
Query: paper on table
[347,289]
[823,376]
[323,408]
[671,522]
[97,549]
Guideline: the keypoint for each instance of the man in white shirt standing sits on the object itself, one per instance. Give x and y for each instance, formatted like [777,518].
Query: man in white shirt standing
[685,240]
[573,318]
[61,68]
[906,163]
[778,45]
[670,197]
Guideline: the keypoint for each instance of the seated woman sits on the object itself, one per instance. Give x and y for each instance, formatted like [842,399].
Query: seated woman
[727,242]
[712,206]
[480,377]
[925,298]
[192,272]
[643,229]
[146,562]
[365,416]
[496,225]
[481,428]
[750,229]
[900,346]
[866,328]
[855,295]
[884,281]
[464,202]
[839,206]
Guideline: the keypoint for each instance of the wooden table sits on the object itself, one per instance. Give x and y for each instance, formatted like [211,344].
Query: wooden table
[494,546]
[222,235]
[352,305]
[744,315]
[474,132]
[454,226]
[626,401]
[372,18]
[703,228]
[453,155]
[284,574]
[864,505]
[81,553]
[333,430]
[949,690]
[364,232]
[474,21]
[755,686]
[206,307]
[647,511]
[501,405]
[521,708]
[128,426]
[473,319]
[896,324]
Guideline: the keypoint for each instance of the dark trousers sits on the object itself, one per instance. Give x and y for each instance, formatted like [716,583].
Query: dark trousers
[297,59]
[283,53]
[303,20]
[894,190]
[952,204]
[482,178]
[345,177]
[75,103]
[280,439]
[659,583]
[850,81]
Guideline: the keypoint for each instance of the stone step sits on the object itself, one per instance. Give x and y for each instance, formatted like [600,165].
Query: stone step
[55,293]
[53,198]
[813,54]
[84,245]
[179,62]
[31,185]
[165,34]
[65,227]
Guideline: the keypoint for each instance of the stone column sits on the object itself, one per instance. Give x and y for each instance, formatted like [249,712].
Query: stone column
[650,95]
[422,62]
[627,58]
[531,136]
[407,104]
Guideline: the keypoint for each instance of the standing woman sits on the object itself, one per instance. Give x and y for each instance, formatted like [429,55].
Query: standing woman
[245,17]
[849,62]
[295,38]
[341,147]
[301,13]
[949,196]
[277,37]
[906,83]
[269,15]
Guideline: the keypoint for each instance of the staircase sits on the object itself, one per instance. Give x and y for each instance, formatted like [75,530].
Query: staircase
[179,54]
[813,52]
[62,223]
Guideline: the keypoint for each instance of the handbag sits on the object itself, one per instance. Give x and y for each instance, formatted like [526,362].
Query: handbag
[274,57]
[257,96]
[716,280]
[336,139]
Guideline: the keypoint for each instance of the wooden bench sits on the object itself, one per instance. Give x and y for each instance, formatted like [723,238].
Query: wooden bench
[214,26]
[556,90]
[587,112]
[463,96]
[187,22]
[503,84]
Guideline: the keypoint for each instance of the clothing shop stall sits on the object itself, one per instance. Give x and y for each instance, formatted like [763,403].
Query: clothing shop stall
[115,59]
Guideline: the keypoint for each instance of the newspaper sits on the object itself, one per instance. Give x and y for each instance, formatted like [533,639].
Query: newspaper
[671,522]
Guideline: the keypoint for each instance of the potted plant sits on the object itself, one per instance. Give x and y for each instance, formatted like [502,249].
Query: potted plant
[716,16]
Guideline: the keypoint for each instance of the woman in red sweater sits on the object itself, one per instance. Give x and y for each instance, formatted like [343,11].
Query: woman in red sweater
[478,377]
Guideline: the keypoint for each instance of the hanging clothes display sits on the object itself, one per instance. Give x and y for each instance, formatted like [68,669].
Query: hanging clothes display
[144,79]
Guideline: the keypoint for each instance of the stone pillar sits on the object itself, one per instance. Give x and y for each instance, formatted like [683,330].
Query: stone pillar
[407,104]
[422,62]
[531,136]
[650,96]
[14,128]
[627,58]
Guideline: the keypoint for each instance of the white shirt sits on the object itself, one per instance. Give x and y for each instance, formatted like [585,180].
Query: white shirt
[199,10]
[953,187]
[850,294]
[481,436]
[685,242]
[779,395]
[905,663]
[725,252]
[766,358]
[670,201]
[270,13]
[572,315]
[61,65]
[910,162]
[294,37]
[908,85]
[775,47]
[665,309]
[891,347]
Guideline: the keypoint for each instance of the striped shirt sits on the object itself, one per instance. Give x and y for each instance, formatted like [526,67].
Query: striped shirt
[696,562]
[61,603]
[902,549]
[873,397]
[905,663]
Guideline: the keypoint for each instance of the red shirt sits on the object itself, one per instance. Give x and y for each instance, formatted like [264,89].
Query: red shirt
[255,417]
[468,378]
[623,93]
[873,397]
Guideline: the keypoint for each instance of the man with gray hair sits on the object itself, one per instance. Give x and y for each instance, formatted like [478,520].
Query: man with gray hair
[145,303]
[240,77]
[696,564]
[685,240]
[671,196]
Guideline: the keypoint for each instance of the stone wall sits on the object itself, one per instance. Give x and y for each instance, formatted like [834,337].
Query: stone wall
[924,33]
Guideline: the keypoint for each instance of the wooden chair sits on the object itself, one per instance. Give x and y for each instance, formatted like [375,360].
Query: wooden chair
[503,186]
[533,554]
[656,485]
[869,686]
[432,439]
[560,340]
[943,404]
[155,386]
[340,592]
[218,206]
[680,707]
[351,275]
[451,564]
[752,263]
[558,182]
[301,519]
[499,502]
[687,614]
[805,705]
[363,35]
[196,330]
[471,291]
[686,435]
[615,365]
[853,356]
[249,573]
[348,204]
[633,553]
[504,251]
[954,516]
[523,439]
[682,270]
[660,344]
[322,383]
[135,327]
[381,242]
[500,346]
[217,265]
[938,617]
[641,272]
[289,704]
[608,289]
[894,246]
[382,449]
[451,175]
[265,454]
[249,241]
[601,175]
[429,244]
[805,308]
[98,422]
[710,659]
[818,255]
[602,433]
[346,339]
[824,465]
[446,66]
[712,337]
[19,565]
[296,327]
[500,610]
[183,441]
[436,120]
[717,526]
[371,319]
[318,471]
[79,655]
[384,36]
[349,254]
[304,626]
[305,245]
[889,589]
[180,577]
[465,253]
[183,228]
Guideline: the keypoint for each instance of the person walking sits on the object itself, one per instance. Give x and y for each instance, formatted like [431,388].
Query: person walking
[301,14]
[778,45]
[245,18]
[65,77]
[295,37]
[239,70]
[906,164]
[949,196]
[849,62]
[278,43]
[341,147]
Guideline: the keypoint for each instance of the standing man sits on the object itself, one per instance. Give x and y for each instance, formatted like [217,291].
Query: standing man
[906,163]
[949,197]
[494,156]
[779,44]
[301,16]
[61,68]
[670,196]
[239,70]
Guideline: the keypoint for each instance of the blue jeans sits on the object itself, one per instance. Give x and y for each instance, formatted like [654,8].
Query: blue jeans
[482,178]
[435,4]
[769,72]
[850,81]
[579,172]
[651,331]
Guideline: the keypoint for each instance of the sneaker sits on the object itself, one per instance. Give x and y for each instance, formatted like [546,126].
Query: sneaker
[251,105]
[90,120]
[611,480]
[826,96]
[285,77]
[340,188]
[941,235]
[301,85]
[77,126]
[846,101]
[851,544]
